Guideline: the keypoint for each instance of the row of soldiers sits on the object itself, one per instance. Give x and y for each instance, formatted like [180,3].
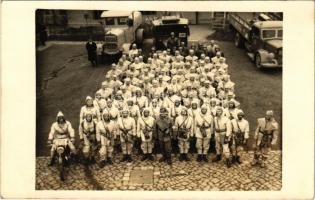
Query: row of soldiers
[165,103]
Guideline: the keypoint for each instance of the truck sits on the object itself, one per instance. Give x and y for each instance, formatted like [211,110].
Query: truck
[261,36]
[122,29]
[163,27]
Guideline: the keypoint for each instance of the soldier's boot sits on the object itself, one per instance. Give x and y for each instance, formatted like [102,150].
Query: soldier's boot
[144,157]
[109,161]
[162,159]
[262,163]
[186,157]
[92,160]
[199,158]
[129,159]
[124,158]
[217,158]
[205,158]
[102,164]
[181,157]
[169,160]
[255,160]
[238,160]
[51,162]
[150,157]
[86,161]
[228,163]
[233,160]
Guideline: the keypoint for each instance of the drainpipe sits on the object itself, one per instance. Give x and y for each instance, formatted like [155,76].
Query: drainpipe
[197,20]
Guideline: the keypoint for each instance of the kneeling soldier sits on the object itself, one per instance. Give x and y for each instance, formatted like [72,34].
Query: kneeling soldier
[127,127]
[105,134]
[240,134]
[87,133]
[182,128]
[204,124]
[146,125]
[266,135]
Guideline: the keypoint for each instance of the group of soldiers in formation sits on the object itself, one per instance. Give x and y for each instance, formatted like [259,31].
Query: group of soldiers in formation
[172,100]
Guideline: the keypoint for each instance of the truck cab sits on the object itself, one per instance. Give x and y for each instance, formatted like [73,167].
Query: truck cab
[122,28]
[261,36]
[163,27]
[266,43]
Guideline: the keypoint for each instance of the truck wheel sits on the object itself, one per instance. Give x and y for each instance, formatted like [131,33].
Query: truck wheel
[139,36]
[258,61]
[238,40]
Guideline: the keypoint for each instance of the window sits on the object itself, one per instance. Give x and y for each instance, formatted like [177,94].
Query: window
[97,14]
[266,34]
[122,20]
[255,32]
[148,12]
[110,21]
[280,33]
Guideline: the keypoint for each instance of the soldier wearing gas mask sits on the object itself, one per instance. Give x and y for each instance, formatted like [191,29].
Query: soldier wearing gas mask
[222,131]
[182,128]
[127,128]
[204,130]
[87,134]
[164,135]
[146,125]
[61,129]
[240,134]
[106,131]
[266,135]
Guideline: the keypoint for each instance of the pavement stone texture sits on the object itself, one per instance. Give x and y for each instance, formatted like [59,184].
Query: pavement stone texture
[154,176]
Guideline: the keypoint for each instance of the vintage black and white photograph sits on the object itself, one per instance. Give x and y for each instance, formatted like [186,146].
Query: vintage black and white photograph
[158,100]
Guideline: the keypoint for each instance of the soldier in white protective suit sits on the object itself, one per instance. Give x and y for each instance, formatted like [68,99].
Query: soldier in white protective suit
[240,134]
[99,102]
[266,135]
[127,128]
[89,108]
[106,131]
[140,100]
[87,134]
[60,130]
[231,111]
[222,126]
[133,51]
[182,128]
[105,91]
[216,59]
[146,126]
[176,109]
[204,129]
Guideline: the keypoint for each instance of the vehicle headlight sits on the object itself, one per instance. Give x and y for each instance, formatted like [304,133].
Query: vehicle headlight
[60,150]
[280,52]
[271,56]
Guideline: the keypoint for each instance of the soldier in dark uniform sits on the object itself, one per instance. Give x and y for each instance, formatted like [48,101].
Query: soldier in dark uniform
[91,49]
[164,134]
[172,42]
[185,49]
[159,45]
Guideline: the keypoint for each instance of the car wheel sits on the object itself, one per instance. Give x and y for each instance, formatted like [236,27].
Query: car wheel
[238,40]
[258,61]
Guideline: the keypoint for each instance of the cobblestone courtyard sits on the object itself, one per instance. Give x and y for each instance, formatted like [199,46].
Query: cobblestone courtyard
[148,175]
